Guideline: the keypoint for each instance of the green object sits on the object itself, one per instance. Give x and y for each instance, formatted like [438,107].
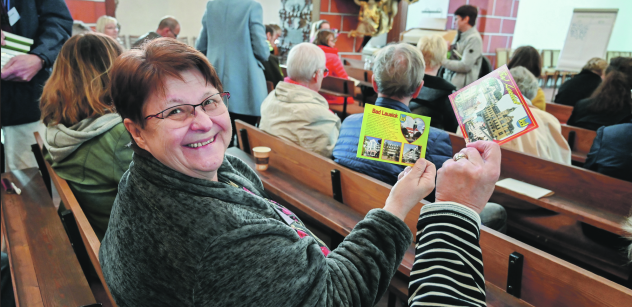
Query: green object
[18,39]
[393,136]
[93,172]
[16,46]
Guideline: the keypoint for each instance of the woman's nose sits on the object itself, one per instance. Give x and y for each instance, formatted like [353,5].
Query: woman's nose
[201,120]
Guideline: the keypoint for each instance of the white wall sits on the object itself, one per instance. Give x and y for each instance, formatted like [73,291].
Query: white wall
[140,16]
[543,24]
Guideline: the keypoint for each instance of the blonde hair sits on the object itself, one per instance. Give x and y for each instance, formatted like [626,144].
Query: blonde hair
[596,65]
[104,21]
[434,49]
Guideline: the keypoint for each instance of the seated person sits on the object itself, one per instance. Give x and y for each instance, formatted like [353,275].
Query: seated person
[192,226]
[87,144]
[272,70]
[433,99]
[295,111]
[397,77]
[583,84]
[529,58]
[326,40]
[611,103]
[610,152]
[316,26]
[398,73]
[546,141]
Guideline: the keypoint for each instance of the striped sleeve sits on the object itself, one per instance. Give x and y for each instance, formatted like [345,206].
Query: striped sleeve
[448,267]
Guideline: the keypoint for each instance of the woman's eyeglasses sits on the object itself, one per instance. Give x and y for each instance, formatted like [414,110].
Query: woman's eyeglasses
[213,105]
[325,72]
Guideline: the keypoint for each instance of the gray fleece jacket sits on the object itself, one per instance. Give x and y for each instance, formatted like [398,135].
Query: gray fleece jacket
[174,240]
[464,70]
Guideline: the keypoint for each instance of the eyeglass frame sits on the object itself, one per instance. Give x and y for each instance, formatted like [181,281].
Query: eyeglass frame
[222,95]
[325,72]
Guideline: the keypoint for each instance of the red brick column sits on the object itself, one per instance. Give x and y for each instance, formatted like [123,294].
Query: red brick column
[87,11]
[343,15]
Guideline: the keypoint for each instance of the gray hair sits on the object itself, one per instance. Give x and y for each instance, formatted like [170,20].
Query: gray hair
[527,83]
[433,48]
[398,70]
[304,60]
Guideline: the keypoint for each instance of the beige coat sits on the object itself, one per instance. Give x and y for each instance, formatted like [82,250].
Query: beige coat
[302,116]
[545,142]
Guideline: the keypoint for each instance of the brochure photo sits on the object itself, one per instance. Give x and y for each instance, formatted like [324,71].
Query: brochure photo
[393,136]
[492,109]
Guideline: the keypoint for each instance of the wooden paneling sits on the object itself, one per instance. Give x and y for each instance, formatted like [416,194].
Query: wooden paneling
[560,111]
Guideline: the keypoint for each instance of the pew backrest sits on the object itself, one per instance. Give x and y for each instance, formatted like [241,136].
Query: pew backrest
[353,62]
[560,111]
[588,196]
[580,141]
[88,236]
[546,280]
[360,74]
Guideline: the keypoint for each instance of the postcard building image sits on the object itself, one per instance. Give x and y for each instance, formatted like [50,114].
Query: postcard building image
[391,150]
[411,153]
[371,147]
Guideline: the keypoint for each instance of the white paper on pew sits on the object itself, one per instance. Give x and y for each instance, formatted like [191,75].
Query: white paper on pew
[524,188]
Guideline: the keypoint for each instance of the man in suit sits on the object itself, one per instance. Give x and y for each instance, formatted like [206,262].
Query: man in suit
[49,24]
[233,38]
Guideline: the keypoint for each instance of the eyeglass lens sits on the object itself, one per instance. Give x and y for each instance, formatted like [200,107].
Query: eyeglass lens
[212,106]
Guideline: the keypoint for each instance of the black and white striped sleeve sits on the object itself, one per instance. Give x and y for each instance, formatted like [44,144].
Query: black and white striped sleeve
[448,267]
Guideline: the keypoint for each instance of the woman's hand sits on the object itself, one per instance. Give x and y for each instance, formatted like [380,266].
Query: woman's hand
[413,184]
[470,181]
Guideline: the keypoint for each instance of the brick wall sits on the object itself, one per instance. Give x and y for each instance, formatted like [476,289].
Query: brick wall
[496,22]
[343,15]
[89,11]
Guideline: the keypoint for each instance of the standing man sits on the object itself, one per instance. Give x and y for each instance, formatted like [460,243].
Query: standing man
[168,27]
[466,57]
[233,38]
[49,24]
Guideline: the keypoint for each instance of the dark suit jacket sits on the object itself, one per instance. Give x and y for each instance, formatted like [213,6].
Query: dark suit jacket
[49,24]
[611,152]
[578,88]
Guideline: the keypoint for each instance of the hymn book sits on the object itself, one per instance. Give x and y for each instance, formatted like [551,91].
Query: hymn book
[492,109]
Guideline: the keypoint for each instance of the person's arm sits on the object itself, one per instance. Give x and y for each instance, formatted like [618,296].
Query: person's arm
[54,29]
[258,34]
[448,267]
[202,41]
[591,158]
[320,135]
[472,51]
[338,69]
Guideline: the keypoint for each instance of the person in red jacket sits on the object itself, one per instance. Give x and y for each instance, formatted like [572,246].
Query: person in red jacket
[326,40]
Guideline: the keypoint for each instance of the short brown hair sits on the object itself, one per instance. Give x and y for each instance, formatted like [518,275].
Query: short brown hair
[139,73]
[322,36]
[469,11]
[79,86]
[168,22]
[527,57]
[596,65]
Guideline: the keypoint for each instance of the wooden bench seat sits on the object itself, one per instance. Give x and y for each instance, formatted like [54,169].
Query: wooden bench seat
[582,195]
[44,268]
[88,236]
[546,280]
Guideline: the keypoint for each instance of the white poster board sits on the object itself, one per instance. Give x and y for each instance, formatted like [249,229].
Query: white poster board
[588,36]
[427,14]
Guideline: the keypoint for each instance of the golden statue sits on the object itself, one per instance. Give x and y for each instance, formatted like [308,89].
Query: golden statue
[376,17]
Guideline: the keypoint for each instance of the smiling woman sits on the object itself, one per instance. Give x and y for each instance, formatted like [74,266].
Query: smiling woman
[192,226]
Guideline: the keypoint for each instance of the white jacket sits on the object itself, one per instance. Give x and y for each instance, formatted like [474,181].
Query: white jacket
[301,115]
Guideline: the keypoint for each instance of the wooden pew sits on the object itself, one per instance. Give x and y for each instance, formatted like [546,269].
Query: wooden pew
[88,236]
[580,140]
[340,87]
[560,111]
[580,196]
[304,180]
[366,86]
[44,268]
[352,62]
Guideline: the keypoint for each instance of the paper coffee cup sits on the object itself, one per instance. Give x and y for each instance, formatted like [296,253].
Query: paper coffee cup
[262,157]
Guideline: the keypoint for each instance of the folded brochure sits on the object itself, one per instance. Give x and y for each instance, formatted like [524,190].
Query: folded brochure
[492,109]
[393,136]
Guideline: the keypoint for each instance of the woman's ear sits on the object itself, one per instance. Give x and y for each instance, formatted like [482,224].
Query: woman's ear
[136,131]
